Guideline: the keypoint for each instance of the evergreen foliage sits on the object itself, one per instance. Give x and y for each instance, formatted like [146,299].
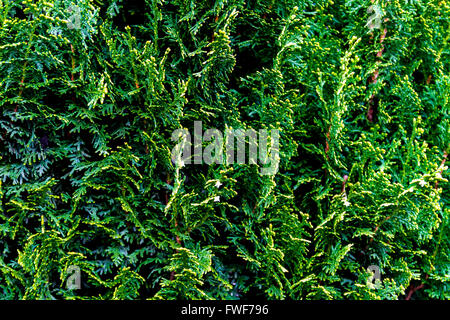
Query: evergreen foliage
[361,98]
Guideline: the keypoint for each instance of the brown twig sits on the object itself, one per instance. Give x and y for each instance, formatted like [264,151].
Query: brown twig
[344,183]
[72,77]
[22,80]
[414,289]
[265,14]
[215,20]
[442,163]
[374,78]
[327,145]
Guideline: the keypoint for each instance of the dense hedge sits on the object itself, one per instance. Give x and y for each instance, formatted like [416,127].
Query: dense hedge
[359,90]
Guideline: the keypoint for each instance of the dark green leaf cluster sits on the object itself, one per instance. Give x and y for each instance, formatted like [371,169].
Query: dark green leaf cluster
[87,110]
